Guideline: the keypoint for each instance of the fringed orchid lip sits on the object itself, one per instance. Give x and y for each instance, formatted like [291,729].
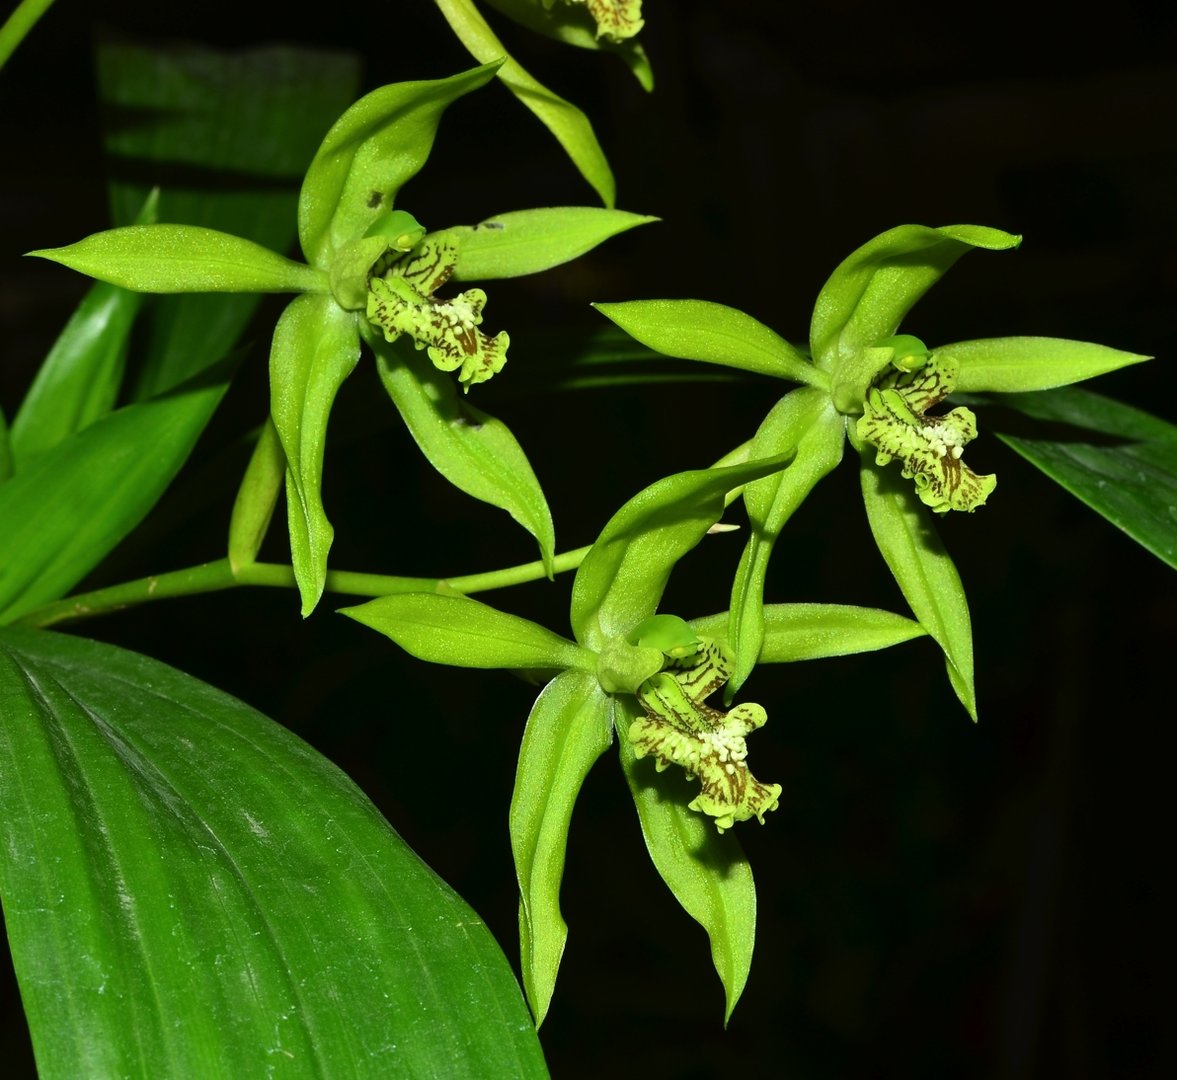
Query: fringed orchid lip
[402,302]
[680,728]
[897,419]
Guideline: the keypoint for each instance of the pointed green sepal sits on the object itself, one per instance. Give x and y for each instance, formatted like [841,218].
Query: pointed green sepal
[922,568]
[473,450]
[256,498]
[1020,364]
[621,579]
[461,632]
[565,121]
[707,873]
[530,241]
[803,423]
[713,334]
[570,726]
[870,292]
[181,259]
[371,151]
[316,346]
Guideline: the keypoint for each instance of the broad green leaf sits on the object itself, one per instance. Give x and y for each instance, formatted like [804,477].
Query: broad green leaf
[80,377]
[1127,473]
[20,22]
[528,241]
[1083,409]
[707,872]
[192,891]
[573,25]
[713,334]
[814,631]
[565,121]
[870,292]
[74,503]
[922,569]
[227,137]
[370,152]
[316,346]
[5,449]
[471,449]
[79,380]
[256,497]
[1018,364]
[803,423]
[570,726]
[621,579]
[183,258]
[461,632]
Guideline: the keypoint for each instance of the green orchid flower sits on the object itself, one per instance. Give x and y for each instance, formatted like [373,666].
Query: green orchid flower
[646,680]
[883,391]
[678,727]
[372,275]
[897,419]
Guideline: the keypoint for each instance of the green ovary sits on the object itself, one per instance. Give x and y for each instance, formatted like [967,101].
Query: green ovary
[897,421]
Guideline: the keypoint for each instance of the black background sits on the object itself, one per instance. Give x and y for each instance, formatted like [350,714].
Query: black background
[936,898]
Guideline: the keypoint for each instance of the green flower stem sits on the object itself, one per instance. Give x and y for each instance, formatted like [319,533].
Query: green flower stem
[513,575]
[215,576]
[17,26]
[207,577]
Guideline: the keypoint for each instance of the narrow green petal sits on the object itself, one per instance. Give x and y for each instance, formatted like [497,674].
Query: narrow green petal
[570,726]
[923,571]
[707,873]
[1019,364]
[183,258]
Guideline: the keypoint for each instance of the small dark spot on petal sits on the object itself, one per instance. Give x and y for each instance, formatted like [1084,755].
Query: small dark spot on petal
[374,199]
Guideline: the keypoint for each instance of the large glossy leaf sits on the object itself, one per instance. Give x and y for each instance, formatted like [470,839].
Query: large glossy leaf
[472,449]
[192,891]
[1122,462]
[70,507]
[708,873]
[227,137]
